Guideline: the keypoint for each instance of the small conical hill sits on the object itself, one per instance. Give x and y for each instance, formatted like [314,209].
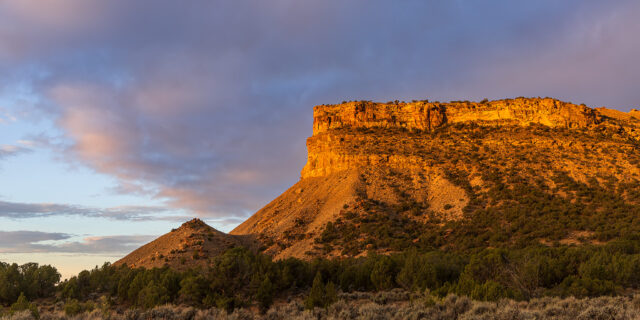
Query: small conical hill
[192,244]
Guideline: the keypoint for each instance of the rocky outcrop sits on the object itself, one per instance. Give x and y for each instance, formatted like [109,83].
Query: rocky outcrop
[325,155]
[363,114]
[422,115]
[323,159]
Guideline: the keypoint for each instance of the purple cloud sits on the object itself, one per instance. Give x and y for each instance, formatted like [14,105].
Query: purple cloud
[20,210]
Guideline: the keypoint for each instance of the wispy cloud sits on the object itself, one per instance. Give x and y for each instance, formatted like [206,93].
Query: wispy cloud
[12,150]
[35,241]
[19,210]
[6,116]
[104,244]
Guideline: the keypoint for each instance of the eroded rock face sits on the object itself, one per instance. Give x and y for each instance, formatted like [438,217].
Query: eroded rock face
[419,115]
[430,115]
[325,156]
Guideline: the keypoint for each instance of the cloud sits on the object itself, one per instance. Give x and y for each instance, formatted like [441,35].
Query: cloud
[19,210]
[208,105]
[36,241]
[6,116]
[12,150]
[105,244]
[10,239]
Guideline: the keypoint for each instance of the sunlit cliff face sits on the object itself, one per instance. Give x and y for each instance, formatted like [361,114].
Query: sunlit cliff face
[427,116]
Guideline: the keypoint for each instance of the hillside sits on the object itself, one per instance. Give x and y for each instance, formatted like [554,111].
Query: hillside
[188,246]
[459,175]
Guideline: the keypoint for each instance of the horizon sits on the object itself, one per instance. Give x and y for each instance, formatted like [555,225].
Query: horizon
[121,121]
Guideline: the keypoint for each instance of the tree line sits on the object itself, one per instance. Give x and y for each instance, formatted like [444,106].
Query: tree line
[240,277]
[30,279]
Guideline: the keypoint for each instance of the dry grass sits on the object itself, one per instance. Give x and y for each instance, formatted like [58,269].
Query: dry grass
[393,305]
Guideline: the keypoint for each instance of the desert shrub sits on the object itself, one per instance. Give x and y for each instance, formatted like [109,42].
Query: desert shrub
[606,312]
[210,314]
[395,295]
[417,273]
[264,296]
[74,307]
[21,315]
[22,304]
[169,312]
[192,289]
[321,294]
[152,295]
[382,274]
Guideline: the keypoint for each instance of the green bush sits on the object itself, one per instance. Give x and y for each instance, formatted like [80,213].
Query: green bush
[22,304]
[321,295]
[264,296]
[73,307]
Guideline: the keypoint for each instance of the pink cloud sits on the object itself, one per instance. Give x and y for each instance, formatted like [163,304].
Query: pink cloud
[101,136]
[148,149]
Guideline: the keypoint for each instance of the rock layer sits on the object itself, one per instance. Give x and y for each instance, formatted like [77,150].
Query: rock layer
[325,158]
[424,115]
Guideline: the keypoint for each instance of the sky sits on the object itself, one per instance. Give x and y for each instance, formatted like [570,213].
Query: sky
[120,119]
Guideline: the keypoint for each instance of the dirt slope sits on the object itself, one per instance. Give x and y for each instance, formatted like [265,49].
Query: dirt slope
[190,245]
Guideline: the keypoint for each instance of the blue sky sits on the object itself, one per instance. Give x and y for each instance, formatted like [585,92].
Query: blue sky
[119,120]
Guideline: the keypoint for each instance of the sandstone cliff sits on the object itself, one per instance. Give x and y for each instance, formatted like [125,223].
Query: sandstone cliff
[323,149]
[423,115]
